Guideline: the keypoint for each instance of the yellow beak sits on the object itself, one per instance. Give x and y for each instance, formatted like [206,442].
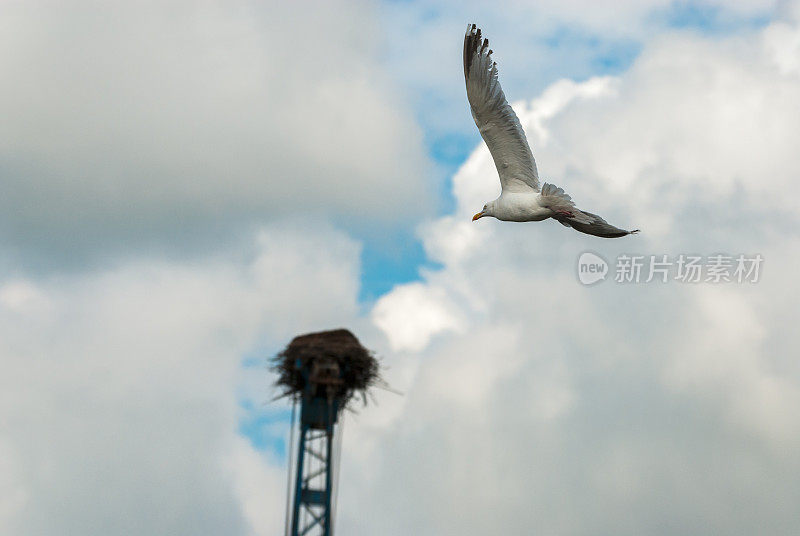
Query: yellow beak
[477,216]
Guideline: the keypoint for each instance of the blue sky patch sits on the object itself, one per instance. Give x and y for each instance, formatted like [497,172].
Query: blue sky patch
[707,19]
[383,268]
[265,427]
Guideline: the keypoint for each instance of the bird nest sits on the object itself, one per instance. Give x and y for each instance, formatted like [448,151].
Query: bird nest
[327,363]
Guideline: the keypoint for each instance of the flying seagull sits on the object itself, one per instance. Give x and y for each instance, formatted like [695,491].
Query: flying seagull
[521,199]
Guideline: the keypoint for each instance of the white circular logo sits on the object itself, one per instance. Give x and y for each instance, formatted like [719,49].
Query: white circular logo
[591,268]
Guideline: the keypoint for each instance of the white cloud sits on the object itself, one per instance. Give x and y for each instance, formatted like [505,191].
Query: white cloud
[260,487]
[412,314]
[614,409]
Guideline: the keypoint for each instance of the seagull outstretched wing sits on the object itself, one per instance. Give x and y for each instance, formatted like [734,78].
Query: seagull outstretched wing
[496,120]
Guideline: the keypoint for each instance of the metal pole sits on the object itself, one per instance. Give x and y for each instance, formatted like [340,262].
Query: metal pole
[328,478]
[298,486]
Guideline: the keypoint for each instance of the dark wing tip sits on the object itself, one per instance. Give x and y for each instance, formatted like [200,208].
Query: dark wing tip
[470,46]
[474,43]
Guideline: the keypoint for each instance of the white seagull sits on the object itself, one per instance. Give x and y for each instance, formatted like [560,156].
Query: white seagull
[521,198]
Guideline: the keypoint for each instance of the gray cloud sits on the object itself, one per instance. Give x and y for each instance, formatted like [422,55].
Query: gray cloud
[174,123]
[119,387]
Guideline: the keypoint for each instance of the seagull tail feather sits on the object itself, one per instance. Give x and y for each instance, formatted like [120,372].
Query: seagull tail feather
[592,224]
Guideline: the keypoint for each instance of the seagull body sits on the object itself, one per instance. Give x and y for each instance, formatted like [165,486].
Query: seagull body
[521,199]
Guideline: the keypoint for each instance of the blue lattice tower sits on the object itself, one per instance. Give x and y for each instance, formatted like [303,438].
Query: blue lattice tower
[314,478]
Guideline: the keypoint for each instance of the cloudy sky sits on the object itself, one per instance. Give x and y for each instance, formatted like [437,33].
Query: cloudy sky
[187,185]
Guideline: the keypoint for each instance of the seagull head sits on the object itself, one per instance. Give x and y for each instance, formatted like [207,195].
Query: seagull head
[487,210]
